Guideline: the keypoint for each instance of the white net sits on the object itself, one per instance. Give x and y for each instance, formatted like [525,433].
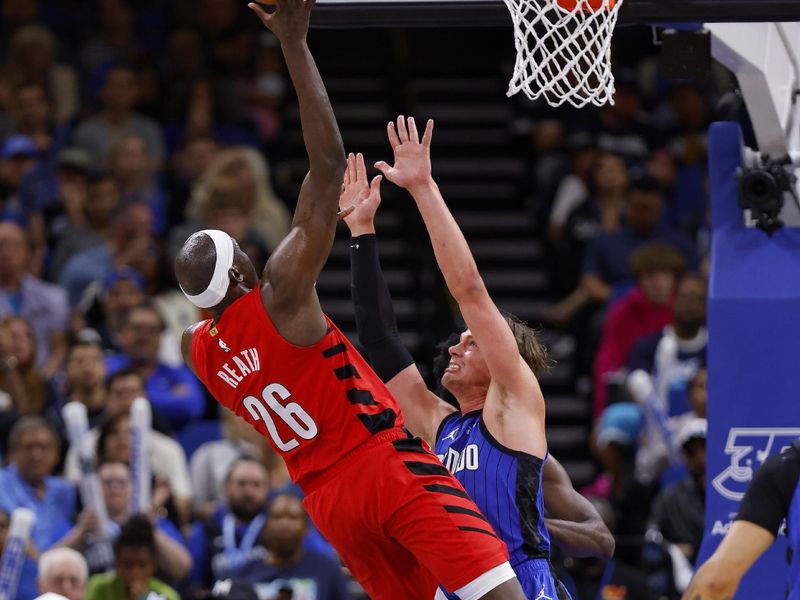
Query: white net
[564,50]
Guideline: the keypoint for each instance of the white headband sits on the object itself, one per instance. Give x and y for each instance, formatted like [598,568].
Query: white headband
[218,286]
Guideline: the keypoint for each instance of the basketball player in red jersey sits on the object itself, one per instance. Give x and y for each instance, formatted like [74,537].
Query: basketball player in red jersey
[400,521]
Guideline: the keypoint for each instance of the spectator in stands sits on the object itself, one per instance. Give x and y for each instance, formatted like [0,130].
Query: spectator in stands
[129,242]
[679,510]
[691,338]
[174,392]
[249,170]
[55,198]
[134,170]
[113,44]
[167,462]
[189,163]
[211,106]
[698,394]
[228,208]
[266,90]
[575,221]
[606,263]
[18,157]
[31,109]
[84,381]
[230,538]
[173,559]
[606,267]
[211,462]
[646,309]
[7,125]
[26,482]
[33,61]
[623,127]
[117,118]
[288,564]
[42,304]
[30,562]
[133,577]
[683,120]
[120,291]
[85,213]
[63,571]
[19,376]
[186,56]
[612,579]
[615,444]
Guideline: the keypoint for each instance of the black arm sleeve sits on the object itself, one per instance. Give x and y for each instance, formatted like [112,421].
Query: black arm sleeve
[769,495]
[375,319]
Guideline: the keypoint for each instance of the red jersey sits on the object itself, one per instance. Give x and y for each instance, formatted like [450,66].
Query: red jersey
[315,404]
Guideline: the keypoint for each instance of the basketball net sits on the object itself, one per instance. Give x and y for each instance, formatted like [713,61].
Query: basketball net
[564,50]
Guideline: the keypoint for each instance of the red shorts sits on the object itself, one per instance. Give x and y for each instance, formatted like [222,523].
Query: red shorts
[401,523]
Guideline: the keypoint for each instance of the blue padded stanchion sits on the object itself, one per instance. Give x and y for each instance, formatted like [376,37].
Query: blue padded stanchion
[753,357]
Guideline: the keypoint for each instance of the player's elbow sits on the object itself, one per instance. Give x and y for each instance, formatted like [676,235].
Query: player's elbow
[606,544]
[469,288]
[713,582]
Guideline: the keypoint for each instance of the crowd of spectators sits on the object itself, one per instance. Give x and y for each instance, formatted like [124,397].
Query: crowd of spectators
[623,206]
[127,126]
[124,128]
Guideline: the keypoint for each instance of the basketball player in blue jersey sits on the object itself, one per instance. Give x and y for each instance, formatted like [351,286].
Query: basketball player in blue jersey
[496,444]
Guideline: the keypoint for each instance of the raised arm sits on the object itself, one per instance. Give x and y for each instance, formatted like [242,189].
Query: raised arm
[574,524]
[412,170]
[375,318]
[295,264]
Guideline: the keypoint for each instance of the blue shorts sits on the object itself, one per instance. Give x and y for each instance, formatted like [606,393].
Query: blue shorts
[537,581]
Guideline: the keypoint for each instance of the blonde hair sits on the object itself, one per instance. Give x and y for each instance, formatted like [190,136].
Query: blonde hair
[270,216]
[531,349]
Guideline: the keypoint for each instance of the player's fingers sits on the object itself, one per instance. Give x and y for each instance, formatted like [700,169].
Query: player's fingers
[345,212]
[361,168]
[375,187]
[347,170]
[413,135]
[402,132]
[383,167]
[426,137]
[394,141]
[265,17]
[353,168]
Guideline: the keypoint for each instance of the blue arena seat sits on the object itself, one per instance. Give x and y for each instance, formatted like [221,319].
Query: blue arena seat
[198,433]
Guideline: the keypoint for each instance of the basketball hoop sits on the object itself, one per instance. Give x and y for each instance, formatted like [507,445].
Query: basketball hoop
[564,50]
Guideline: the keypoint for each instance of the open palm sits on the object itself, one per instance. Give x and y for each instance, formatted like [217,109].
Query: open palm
[360,198]
[412,157]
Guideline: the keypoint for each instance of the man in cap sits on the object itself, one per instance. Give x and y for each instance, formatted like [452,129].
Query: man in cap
[679,510]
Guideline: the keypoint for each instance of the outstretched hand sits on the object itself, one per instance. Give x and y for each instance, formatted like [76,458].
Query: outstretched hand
[360,198]
[290,20]
[412,157]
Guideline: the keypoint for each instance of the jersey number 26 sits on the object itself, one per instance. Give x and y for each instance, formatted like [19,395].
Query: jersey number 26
[291,413]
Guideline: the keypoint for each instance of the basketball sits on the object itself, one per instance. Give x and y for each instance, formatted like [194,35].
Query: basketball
[585,5]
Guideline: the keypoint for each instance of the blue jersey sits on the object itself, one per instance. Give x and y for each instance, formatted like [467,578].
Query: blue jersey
[507,487]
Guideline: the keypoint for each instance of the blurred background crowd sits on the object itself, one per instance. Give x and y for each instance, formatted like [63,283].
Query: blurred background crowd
[127,125]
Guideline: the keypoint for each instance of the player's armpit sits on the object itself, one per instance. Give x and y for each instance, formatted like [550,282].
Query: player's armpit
[186,346]
[720,575]
[423,410]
